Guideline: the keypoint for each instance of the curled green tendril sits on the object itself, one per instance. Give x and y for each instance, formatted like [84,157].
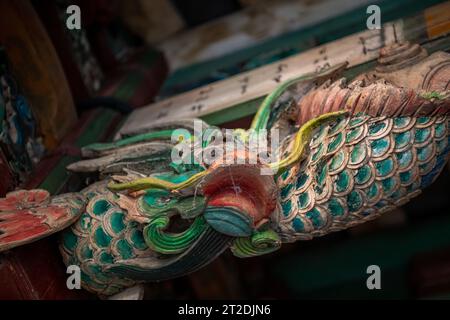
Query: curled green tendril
[171,243]
[262,115]
[258,244]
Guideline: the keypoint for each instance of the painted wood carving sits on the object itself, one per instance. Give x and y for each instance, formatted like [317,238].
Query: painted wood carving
[349,152]
[36,67]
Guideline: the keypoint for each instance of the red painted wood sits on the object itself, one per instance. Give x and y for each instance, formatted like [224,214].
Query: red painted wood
[36,272]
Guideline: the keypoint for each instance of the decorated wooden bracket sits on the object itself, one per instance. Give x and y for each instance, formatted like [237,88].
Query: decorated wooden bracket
[349,152]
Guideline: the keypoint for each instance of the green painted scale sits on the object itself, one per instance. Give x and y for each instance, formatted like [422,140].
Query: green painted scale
[357,169]
[349,153]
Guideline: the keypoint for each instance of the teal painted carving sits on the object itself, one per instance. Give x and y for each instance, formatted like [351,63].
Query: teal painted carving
[349,153]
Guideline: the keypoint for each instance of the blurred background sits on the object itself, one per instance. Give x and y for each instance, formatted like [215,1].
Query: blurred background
[62,89]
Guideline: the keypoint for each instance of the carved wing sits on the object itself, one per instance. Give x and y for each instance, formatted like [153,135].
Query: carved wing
[29,215]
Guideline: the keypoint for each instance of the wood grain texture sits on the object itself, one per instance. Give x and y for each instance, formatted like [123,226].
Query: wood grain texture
[36,66]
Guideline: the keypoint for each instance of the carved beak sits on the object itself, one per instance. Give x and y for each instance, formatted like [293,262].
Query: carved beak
[240,199]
